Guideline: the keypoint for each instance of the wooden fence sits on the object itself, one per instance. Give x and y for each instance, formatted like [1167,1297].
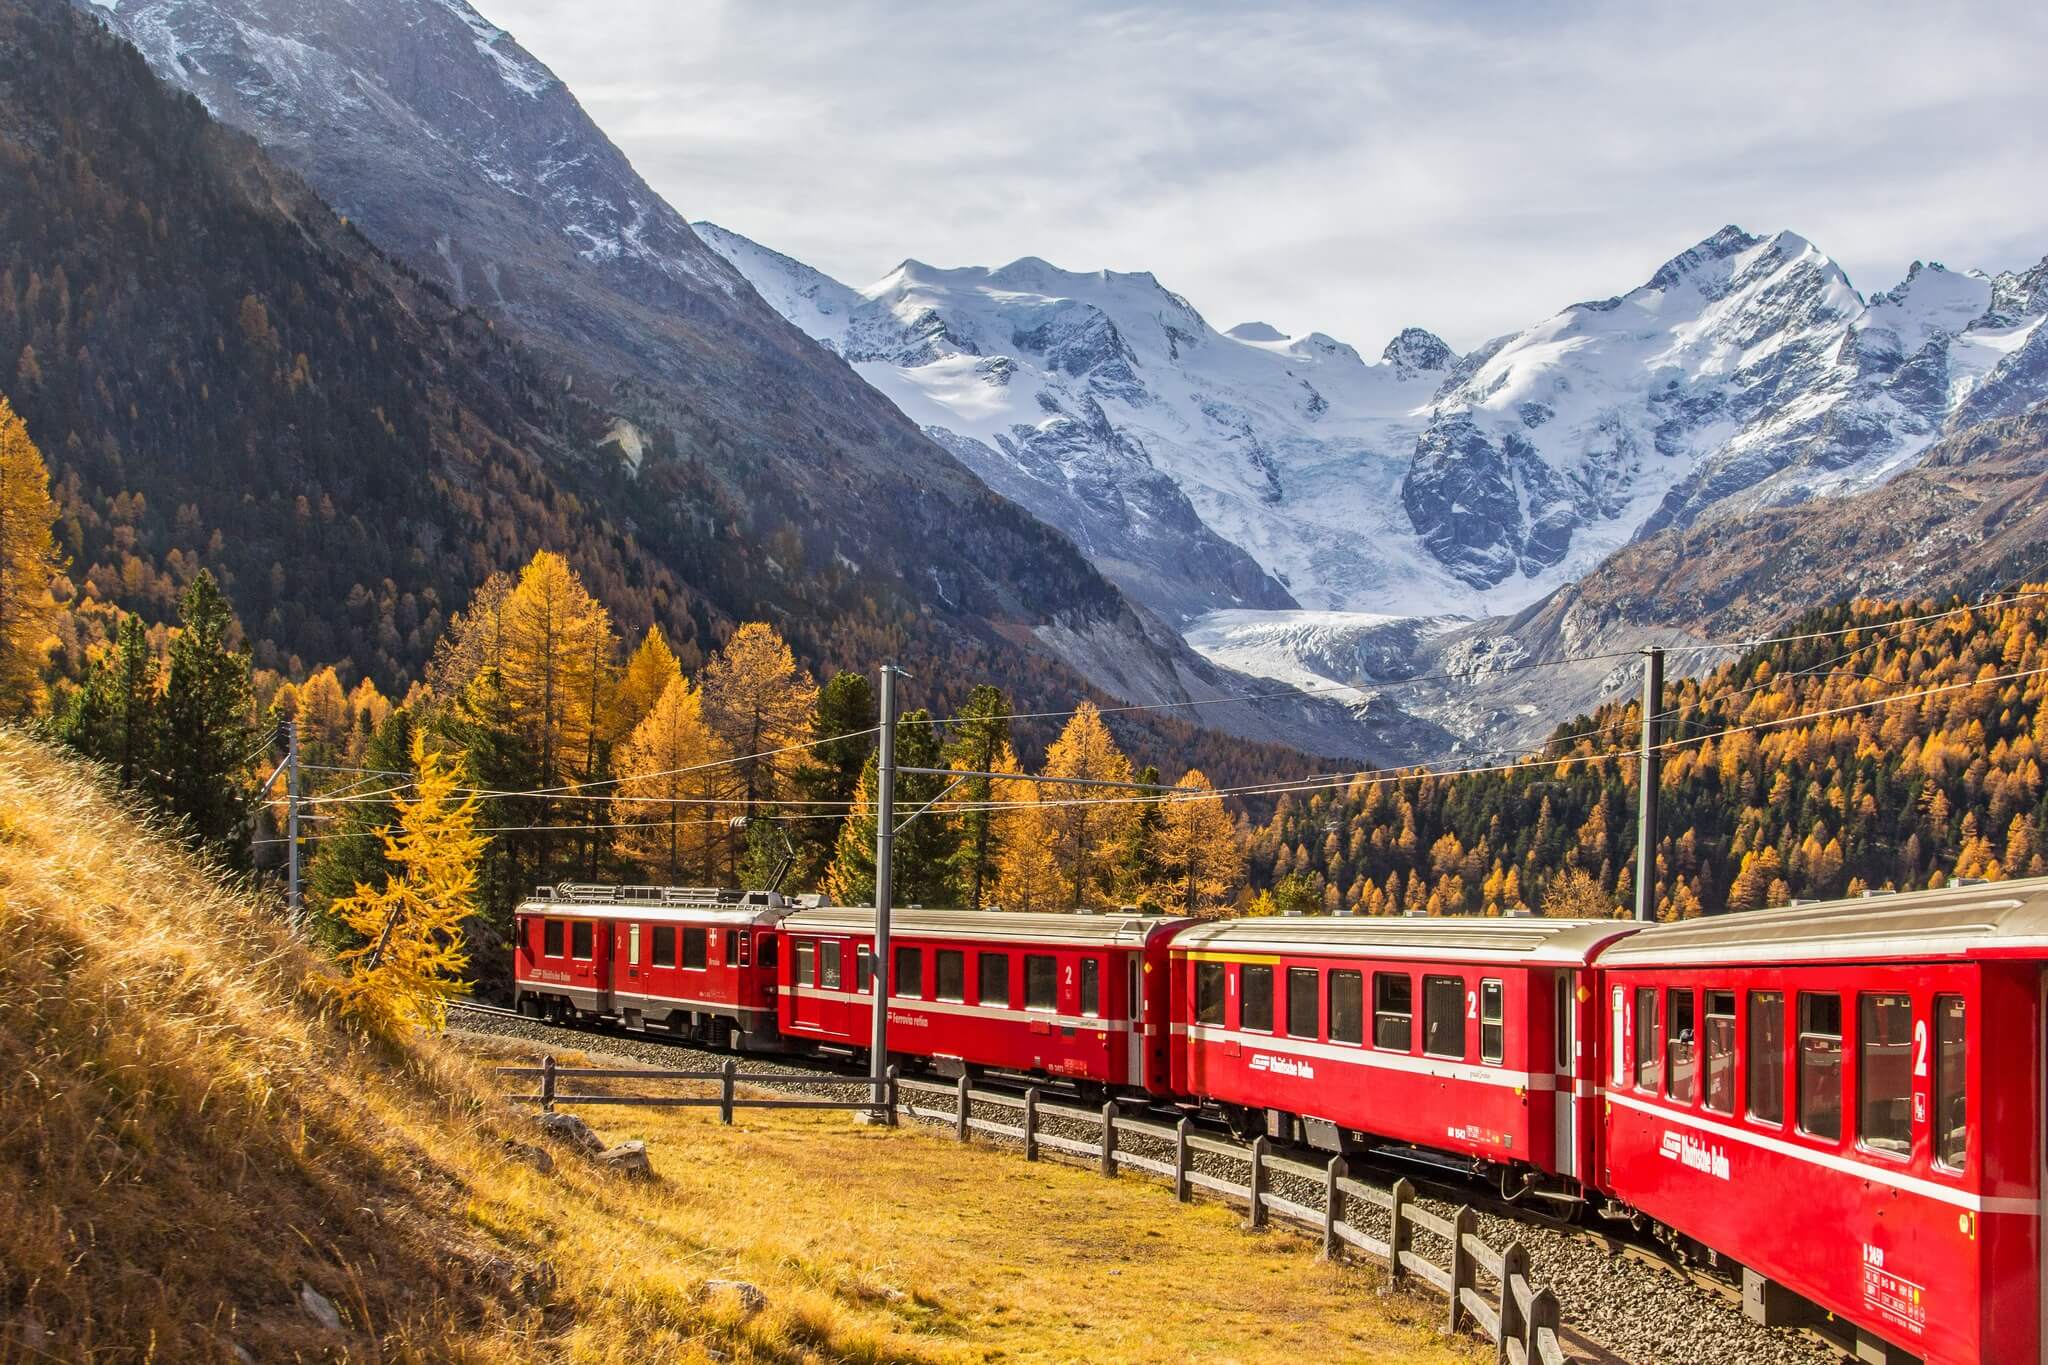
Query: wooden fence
[1520,1319]
[727,1099]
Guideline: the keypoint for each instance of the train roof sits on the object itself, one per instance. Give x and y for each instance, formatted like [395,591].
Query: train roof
[697,904]
[1118,929]
[1990,919]
[1521,938]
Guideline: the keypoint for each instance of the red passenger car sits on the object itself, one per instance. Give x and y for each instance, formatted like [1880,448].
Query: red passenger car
[696,962]
[1463,1036]
[1082,997]
[1847,1099]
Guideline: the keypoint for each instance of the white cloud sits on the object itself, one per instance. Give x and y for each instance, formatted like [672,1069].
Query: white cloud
[1352,168]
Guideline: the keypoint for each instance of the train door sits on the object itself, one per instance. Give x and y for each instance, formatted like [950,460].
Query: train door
[1134,1073]
[806,1009]
[1565,1068]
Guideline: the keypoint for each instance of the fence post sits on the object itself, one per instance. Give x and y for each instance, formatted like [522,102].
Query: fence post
[1543,1315]
[1398,1233]
[547,1083]
[1258,1182]
[1514,1263]
[1465,1223]
[1333,1208]
[960,1115]
[1031,1124]
[1109,1138]
[725,1075]
[889,1107]
[1183,1188]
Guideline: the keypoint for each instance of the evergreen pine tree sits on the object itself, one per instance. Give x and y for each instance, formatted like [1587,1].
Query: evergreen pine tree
[112,716]
[924,845]
[207,731]
[350,853]
[980,739]
[830,777]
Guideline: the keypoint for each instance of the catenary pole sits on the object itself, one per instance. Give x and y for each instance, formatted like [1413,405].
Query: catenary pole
[291,758]
[885,841]
[1647,784]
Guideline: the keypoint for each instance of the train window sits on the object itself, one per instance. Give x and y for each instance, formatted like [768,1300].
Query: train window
[767,950]
[1720,1040]
[910,972]
[828,964]
[732,946]
[1443,1016]
[662,953]
[1255,998]
[580,934]
[1681,1048]
[1492,1021]
[1041,982]
[994,978]
[1646,1038]
[1302,989]
[1951,1135]
[1209,992]
[1091,987]
[693,949]
[1767,1056]
[806,962]
[1347,1007]
[1820,1064]
[551,938]
[1393,1011]
[1884,1073]
[863,969]
[633,945]
[950,972]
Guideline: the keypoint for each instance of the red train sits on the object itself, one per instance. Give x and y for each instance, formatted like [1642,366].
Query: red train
[1845,1101]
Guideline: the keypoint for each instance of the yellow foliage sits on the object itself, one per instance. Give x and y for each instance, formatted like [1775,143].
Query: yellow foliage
[28,562]
[411,960]
[1085,830]
[757,701]
[665,786]
[1200,851]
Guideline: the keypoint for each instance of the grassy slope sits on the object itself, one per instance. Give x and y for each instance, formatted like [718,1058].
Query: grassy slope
[186,1136]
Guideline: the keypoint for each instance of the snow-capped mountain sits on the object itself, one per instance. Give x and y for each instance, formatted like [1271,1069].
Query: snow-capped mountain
[1746,372]
[1201,469]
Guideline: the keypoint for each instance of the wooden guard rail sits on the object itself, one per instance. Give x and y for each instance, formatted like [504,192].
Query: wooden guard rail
[1520,1319]
[727,1099]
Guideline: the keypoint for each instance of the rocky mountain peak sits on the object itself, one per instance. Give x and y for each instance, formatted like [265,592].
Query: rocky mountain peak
[1256,331]
[1416,351]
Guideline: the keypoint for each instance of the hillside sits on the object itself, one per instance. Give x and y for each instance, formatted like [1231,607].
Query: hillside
[707,430]
[222,374]
[200,1146]
[1760,805]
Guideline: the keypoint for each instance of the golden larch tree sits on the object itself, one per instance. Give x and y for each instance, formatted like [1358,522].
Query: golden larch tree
[557,648]
[1028,874]
[1086,823]
[662,801]
[758,701]
[647,675]
[1201,854]
[411,960]
[28,562]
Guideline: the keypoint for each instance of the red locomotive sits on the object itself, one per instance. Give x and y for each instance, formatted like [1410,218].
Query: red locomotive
[1805,1093]
[698,963]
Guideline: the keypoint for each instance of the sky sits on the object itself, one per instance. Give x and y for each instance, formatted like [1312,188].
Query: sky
[1351,168]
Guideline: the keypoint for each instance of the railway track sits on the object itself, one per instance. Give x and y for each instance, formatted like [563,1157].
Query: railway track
[1625,1299]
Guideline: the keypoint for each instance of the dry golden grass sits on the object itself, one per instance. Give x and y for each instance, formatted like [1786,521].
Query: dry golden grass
[188,1134]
